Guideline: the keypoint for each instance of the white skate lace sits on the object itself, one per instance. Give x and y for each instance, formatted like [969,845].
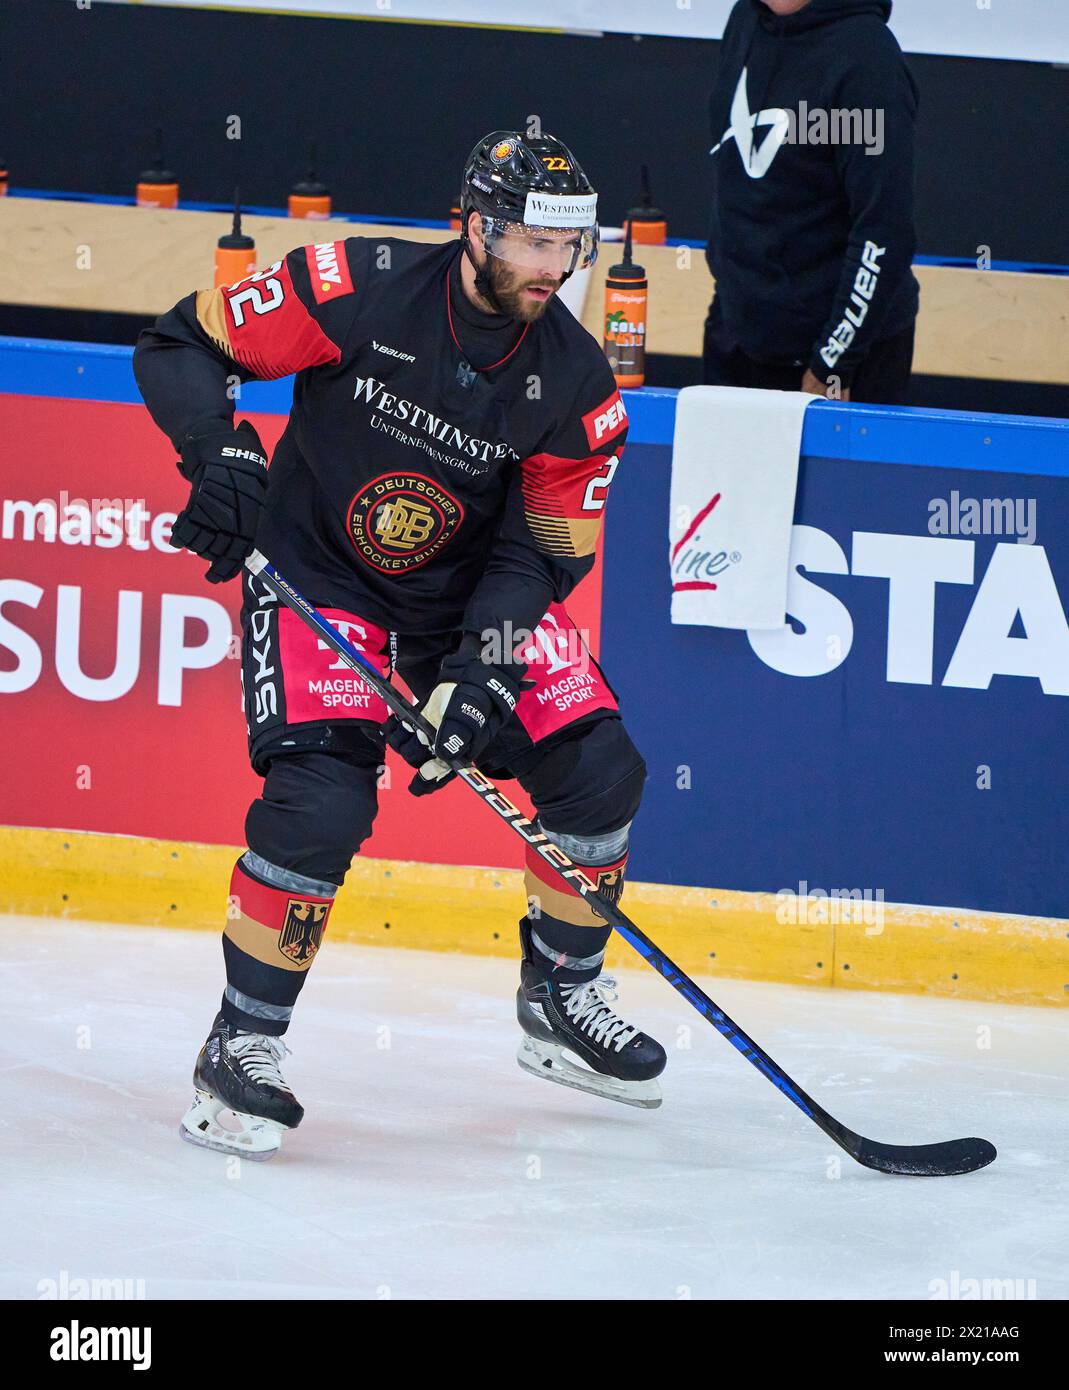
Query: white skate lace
[587,1005]
[260,1057]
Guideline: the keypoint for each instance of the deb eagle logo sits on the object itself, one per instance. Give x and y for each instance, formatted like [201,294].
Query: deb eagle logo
[1015,625]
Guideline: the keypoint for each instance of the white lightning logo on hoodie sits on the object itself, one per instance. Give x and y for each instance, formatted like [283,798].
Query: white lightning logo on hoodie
[742,128]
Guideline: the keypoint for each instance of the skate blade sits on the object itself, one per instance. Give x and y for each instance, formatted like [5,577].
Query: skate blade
[257,1139]
[548,1061]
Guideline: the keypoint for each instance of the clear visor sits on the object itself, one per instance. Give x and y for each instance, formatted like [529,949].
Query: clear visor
[554,250]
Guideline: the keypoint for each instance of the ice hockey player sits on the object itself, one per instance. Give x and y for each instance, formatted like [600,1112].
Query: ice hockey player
[437,494]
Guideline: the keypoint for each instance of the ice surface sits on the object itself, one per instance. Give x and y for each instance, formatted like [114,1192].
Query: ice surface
[430,1165]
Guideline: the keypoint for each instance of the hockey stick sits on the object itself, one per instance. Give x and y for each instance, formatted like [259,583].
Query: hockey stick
[917,1160]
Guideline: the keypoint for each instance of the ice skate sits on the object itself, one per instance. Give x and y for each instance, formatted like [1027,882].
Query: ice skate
[241,1102]
[609,1057]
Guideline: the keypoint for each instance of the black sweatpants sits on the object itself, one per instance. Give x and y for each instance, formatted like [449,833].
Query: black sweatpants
[881,379]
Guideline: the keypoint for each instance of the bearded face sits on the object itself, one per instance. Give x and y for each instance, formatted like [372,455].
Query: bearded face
[521,267]
[521,292]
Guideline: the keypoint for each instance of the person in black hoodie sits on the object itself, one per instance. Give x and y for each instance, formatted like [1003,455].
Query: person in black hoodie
[811,234]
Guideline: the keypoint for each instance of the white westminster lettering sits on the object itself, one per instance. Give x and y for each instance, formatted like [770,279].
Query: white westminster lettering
[374,393]
[560,209]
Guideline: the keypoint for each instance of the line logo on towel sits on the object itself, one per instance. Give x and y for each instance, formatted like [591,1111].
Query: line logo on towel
[693,565]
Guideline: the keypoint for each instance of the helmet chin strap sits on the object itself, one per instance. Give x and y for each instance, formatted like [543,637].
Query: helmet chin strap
[482,280]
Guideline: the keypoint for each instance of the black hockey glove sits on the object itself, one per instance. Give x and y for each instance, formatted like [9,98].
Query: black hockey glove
[470,704]
[228,470]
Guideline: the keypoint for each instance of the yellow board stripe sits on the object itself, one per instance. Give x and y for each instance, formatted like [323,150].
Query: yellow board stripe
[439,907]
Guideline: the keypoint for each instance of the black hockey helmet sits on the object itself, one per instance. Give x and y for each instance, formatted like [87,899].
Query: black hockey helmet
[515,181]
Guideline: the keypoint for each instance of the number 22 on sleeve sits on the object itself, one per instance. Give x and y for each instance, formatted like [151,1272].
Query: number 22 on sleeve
[592,501]
[256,290]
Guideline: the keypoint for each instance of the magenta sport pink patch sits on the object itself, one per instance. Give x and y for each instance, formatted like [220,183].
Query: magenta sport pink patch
[318,683]
[569,682]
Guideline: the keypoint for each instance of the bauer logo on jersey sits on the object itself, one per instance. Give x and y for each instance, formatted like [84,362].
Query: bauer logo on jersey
[398,521]
[302,930]
[605,421]
[328,270]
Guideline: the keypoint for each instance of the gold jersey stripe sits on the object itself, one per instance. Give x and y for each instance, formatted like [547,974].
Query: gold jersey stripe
[566,907]
[211,315]
[571,536]
[261,943]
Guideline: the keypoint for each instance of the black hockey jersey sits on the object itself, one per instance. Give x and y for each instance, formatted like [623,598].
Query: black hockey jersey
[406,488]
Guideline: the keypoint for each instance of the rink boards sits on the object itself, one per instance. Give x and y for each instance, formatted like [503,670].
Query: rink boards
[904,744]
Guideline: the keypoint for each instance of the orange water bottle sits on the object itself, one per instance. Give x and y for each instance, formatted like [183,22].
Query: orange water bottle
[3,177]
[157,187]
[626,292]
[235,253]
[647,223]
[310,198]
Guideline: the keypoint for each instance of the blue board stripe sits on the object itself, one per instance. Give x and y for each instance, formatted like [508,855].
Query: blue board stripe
[833,429]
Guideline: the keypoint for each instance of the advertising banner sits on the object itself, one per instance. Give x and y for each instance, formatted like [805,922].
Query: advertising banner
[904,735]
[120,695]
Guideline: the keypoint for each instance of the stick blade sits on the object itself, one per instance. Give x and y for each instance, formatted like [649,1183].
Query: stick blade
[944,1160]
